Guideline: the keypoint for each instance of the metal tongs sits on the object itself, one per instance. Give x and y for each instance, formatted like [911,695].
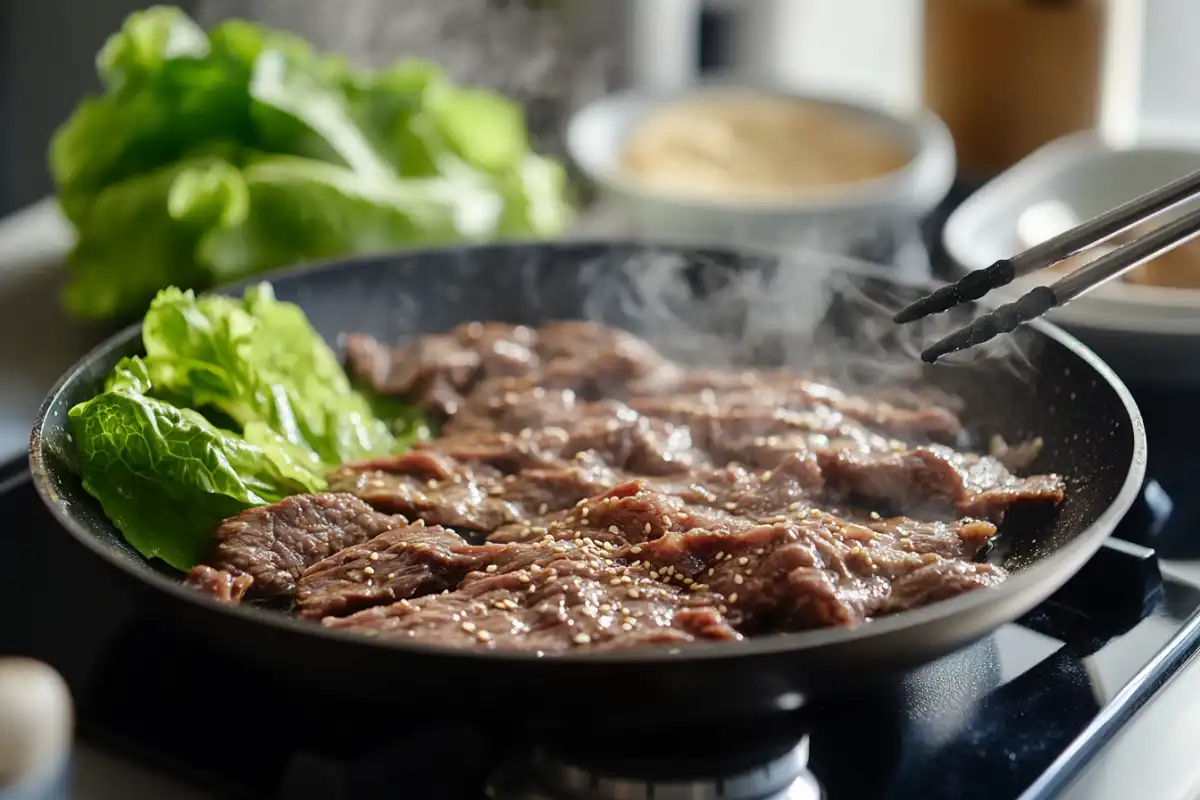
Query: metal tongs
[1038,301]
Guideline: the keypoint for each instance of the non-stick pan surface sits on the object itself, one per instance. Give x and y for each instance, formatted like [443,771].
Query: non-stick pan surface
[711,304]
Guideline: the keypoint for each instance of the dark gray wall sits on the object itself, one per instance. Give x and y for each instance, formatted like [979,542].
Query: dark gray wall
[47,49]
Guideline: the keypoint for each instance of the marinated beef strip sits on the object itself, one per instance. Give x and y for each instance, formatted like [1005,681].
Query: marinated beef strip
[935,479]
[474,497]
[438,371]
[821,571]
[224,586]
[272,545]
[401,563]
[779,389]
[569,604]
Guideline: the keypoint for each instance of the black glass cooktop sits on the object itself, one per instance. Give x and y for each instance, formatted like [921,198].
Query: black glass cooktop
[1016,715]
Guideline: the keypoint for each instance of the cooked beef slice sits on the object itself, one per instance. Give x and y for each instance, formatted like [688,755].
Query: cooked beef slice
[224,586]
[479,499]
[274,544]
[400,563]
[818,572]
[936,479]
[568,605]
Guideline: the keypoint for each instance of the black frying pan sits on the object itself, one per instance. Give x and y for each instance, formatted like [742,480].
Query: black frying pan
[722,304]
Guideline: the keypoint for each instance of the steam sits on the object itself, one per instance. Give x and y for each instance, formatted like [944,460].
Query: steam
[806,310]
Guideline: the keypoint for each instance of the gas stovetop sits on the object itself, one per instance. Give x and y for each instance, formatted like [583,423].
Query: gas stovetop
[1029,712]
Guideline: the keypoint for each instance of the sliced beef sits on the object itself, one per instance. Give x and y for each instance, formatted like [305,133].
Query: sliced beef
[936,480]
[598,359]
[938,580]
[800,393]
[432,372]
[502,349]
[480,498]
[718,499]
[404,562]
[820,572]
[514,404]
[273,545]
[222,585]
[568,605]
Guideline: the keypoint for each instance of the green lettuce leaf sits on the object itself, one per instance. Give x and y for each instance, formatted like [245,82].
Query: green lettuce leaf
[258,362]
[166,476]
[133,239]
[214,156]
[237,403]
[303,209]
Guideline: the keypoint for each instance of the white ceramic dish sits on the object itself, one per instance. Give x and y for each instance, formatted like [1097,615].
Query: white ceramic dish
[597,134]
[1147,333]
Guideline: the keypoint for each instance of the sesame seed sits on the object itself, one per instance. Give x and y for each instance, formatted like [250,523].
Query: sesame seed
[635,549]
[543,508]
[391,575]
[738,579]
[469,627]
[634,594]
[731,505]
[654,574]
[710,572]
[368,570]
[490,568]
[614,529]
[733,597]
[794,507]
[625,626]
[615,582]
[419,523]
[720,555]
[431,483]
[874,515]
[582,638]
[666,520]
[743,561]
[584,513]
[374,556]
[646,528]
[483,636]
[766,476]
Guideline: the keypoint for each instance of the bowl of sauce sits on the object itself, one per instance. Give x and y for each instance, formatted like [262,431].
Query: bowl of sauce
[766,166]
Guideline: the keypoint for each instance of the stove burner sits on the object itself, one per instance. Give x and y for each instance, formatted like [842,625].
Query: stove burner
[545,777]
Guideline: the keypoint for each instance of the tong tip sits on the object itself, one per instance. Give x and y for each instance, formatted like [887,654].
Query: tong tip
[971,286]
[1004,319]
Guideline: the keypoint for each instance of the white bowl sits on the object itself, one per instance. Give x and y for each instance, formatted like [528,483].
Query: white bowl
[596,137]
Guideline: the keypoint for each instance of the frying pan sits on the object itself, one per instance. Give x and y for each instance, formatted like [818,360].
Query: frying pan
[720,304]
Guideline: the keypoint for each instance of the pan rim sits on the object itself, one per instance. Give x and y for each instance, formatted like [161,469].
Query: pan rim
[1066,560]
